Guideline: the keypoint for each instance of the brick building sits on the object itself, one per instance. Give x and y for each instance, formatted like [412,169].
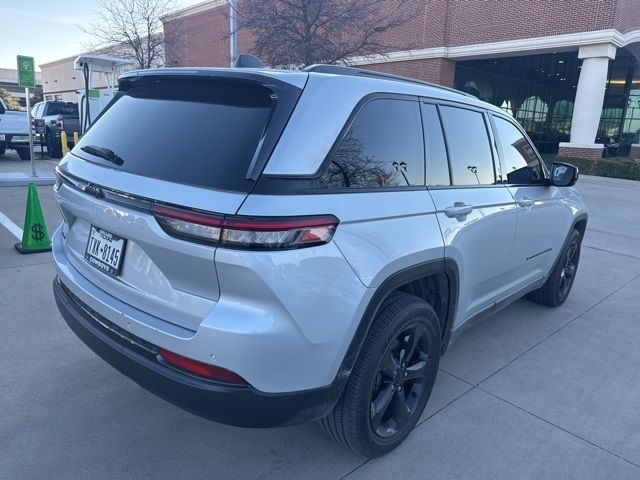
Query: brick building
[566,69]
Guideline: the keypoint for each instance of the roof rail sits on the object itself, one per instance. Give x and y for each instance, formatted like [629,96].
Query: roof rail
[362,72]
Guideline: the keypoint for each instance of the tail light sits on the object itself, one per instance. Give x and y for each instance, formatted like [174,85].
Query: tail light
[259,233]
[60,122]
[200,368]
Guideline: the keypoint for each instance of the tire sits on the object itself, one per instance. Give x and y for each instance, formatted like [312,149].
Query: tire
[558,286]
[23,153]
[379,378]
[54,148]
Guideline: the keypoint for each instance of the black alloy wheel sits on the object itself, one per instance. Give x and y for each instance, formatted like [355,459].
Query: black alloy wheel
[391,381]
[401,381]
[570,268]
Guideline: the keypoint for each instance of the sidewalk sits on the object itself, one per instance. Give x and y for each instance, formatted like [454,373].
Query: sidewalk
[16,172]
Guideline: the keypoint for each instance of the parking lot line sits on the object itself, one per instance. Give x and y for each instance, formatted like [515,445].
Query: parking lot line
[9,225]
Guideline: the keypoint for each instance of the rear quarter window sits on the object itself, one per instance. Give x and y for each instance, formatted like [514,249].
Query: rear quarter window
[195,131]
[382,148]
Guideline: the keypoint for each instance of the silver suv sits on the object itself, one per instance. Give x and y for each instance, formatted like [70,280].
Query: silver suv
[264,247]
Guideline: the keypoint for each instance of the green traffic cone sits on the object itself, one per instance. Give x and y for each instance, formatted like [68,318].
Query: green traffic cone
[34,236]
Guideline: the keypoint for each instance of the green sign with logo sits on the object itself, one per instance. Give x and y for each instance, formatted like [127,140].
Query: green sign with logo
[26,72]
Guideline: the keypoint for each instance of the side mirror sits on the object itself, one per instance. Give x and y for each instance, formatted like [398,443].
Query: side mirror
[563,174]
[2,110]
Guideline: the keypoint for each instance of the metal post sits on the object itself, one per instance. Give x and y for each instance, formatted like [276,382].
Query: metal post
[233,27]
[33,161]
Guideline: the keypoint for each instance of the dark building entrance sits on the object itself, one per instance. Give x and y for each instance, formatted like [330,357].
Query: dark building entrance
[539,91]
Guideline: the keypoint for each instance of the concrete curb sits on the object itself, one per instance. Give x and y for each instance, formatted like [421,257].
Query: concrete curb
[19,179]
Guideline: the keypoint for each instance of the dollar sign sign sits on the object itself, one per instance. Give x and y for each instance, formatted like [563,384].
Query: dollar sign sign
[37,232]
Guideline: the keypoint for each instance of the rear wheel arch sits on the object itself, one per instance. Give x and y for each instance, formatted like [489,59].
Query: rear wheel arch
[435,281]
[580,224]
[392,379]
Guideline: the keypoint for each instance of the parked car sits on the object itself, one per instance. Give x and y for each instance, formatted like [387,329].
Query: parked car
[14,133]
[58,117]
[312,250]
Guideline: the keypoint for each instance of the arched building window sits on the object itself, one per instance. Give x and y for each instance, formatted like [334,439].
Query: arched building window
[561,117]
[532,112]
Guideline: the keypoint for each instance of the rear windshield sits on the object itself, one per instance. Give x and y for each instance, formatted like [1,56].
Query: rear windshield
[60,108]
[201,132]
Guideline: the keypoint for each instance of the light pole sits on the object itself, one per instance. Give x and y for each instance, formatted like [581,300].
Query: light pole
[474,170]
[233,27]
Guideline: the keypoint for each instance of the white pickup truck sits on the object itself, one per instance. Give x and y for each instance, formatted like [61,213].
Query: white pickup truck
[14,133]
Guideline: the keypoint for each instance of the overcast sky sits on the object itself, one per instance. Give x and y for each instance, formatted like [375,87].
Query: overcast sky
[46,30]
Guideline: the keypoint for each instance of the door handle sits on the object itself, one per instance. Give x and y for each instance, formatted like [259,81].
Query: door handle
[526,202]
[458,210]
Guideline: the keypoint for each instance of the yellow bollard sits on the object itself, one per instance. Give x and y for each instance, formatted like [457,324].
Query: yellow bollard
[75,138]
[63,141]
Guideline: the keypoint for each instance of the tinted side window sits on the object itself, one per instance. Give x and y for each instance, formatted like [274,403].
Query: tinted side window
[383,148]
[521,162]
[437,166]
[469,147]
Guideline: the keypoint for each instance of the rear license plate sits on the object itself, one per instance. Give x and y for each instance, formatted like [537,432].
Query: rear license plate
[105,250]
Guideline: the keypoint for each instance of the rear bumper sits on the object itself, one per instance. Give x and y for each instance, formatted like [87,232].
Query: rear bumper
[16,140]
[233,405]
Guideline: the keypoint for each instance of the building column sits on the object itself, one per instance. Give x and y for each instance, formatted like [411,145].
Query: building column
[587,107]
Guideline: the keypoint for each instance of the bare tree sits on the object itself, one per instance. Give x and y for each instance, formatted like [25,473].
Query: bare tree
[132,29]
[10,101]
[304,32]
[352,167]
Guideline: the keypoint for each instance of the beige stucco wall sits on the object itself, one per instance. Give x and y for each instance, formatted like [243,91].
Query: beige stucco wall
[60,79]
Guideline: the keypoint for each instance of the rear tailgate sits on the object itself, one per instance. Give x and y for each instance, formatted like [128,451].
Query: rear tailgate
[13,122]
[71,123]
[66,114]
[166,277]
[182,142]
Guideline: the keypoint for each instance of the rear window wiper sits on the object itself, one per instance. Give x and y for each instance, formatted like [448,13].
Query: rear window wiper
[102,152]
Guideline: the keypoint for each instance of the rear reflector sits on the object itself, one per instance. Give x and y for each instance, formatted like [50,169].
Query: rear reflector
[260,233]
[201,369]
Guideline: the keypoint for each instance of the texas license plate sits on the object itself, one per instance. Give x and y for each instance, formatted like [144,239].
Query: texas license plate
[105,250]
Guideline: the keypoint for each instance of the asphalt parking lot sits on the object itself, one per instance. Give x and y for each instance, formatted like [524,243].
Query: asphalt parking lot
[532,392]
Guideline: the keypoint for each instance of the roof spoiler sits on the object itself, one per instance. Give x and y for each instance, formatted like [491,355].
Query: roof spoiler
[245,60]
